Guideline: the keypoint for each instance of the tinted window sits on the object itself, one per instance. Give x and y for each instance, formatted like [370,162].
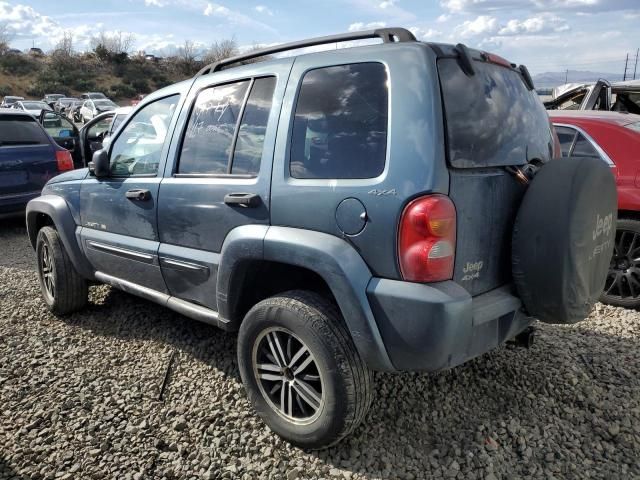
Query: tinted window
[492,119]
[138,148]
[19,130]
[340,124]
[248,150]
[208,139]
[566,136]
[583,148]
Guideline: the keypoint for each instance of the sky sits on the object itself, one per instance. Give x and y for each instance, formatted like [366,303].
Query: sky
[546,35]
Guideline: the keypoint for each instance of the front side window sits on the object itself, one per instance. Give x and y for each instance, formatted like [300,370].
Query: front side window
[340,124]
[138,149]
[57,126]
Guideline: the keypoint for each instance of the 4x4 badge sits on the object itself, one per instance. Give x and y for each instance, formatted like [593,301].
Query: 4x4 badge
[382,193]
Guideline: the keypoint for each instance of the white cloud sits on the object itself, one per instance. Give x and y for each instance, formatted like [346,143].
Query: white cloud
[156,3]
[425,34]
[355,27]
[483,6]
[540,24]
[482,25]
[443,18]
[263,9]
[387,3]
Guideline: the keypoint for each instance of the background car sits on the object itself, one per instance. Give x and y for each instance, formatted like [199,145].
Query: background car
[63,103]
[52,98]
[29,157]
[614,138]
[94,95]
[34,107]
[73,112]
[92,108]
[10,100]
[601,95]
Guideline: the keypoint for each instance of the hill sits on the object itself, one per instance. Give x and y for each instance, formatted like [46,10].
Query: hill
[553,79]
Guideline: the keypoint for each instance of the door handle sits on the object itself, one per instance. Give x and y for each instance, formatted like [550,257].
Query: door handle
[246,200]
[139,194]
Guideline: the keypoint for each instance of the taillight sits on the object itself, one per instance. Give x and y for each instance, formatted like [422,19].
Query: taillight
[65,162]
[427,239]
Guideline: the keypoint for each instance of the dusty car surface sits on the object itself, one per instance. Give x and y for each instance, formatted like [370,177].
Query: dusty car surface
[384,207]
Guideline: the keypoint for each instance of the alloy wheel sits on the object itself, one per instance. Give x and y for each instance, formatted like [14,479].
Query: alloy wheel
[288,376]
[48,271]
[623,279]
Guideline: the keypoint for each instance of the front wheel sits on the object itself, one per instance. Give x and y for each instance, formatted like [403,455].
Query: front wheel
[622,287]
[301,369]
[63,290]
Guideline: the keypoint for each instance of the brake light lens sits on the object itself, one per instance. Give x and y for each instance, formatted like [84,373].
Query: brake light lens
[427,239]
[65,162]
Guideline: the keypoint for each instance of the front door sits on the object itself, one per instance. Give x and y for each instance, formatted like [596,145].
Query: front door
[220,174]
[118,213]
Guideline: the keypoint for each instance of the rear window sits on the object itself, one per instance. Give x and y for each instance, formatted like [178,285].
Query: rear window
[21,130]
[492,119]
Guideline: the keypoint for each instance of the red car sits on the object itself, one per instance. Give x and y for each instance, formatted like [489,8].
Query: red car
[615,138]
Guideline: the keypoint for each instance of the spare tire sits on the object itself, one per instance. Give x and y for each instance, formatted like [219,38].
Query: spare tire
[563,239]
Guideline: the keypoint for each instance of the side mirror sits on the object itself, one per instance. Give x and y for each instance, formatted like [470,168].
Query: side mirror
[99,165]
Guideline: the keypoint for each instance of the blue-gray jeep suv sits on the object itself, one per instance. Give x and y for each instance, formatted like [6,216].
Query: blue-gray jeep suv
[383,207]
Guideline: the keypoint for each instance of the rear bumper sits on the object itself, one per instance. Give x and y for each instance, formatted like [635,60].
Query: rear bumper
[438,326]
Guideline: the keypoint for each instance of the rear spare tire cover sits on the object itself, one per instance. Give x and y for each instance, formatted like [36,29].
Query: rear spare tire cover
[563,239]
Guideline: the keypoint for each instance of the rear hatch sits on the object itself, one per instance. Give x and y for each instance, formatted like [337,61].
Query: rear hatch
[27,158]
[493,122]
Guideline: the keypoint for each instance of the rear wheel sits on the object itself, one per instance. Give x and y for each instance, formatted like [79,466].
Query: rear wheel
[63,290]
[301,369]
[622,287]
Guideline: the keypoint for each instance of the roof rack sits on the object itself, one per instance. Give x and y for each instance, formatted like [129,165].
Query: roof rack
[388,35]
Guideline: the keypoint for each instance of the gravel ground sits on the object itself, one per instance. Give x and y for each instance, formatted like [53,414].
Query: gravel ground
[79,399]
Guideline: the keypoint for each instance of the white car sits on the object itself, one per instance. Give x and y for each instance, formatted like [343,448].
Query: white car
[34,107]
[94,107]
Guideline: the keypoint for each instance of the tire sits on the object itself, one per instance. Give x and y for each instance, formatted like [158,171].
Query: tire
[342,385]
[563,239]
[69,291]
[622,288]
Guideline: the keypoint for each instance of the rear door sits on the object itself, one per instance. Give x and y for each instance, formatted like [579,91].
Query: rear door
[220,175]
[27,159]
[494,123]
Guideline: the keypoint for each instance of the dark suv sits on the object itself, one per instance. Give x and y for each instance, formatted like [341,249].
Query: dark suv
[383,207]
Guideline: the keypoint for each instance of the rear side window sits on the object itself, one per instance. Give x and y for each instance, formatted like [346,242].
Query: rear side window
[340,124]
[583,148]
[492,119]
[566,137]
[21,130]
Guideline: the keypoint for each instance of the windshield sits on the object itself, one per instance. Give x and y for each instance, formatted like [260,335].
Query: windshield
[21,130]
[96,95]
[12,100]
[35,105]
[104,103]
[492,118]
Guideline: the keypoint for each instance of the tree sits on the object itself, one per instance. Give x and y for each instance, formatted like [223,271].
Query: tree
[220,50]
[112,46]
[64,47]
[5,37]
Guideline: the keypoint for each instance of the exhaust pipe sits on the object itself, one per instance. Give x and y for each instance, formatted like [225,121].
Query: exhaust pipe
[525,338]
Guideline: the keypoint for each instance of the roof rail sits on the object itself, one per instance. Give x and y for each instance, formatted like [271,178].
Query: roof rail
[388,35]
